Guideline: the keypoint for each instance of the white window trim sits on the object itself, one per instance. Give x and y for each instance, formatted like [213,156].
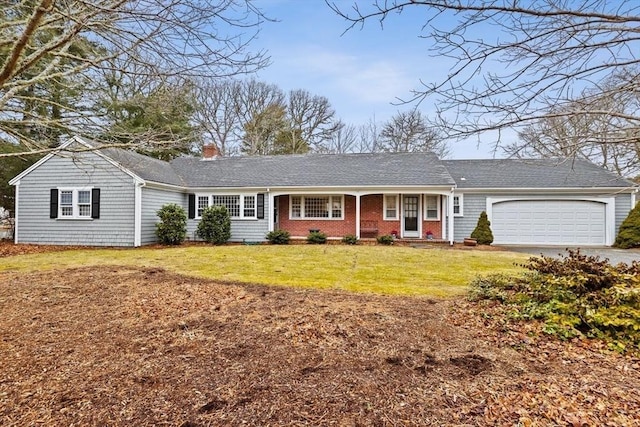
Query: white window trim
[75,206]
[438,207]
[303,217]
[241,195]
[460,203]
[384,207]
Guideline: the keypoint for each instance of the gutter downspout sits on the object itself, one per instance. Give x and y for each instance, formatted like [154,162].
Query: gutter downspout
[15,214]
[450,216]
[137,214]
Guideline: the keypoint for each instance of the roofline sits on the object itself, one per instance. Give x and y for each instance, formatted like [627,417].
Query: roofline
[281,188]
[62,147]
[633,189]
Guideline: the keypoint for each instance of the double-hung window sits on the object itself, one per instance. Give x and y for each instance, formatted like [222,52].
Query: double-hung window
[75,203]
[390,207]
[431,208]
[457,205]
[316,207]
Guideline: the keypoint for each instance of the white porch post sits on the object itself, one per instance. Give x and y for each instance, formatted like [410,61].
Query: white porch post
[15,213]
[358,215]
[450,217]
[270,208]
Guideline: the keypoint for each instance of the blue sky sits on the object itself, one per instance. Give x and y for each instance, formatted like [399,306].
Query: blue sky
[362,72]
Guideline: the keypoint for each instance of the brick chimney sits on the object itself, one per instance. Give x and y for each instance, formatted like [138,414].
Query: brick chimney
[210,152]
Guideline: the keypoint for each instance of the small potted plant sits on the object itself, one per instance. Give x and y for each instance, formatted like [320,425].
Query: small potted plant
[428,235]
[394,234]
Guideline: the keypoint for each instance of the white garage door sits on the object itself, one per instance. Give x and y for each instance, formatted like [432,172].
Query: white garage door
[548,222]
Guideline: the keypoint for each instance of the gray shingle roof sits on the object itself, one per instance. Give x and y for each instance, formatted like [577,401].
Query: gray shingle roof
[147,168]
[532,173]
[379,169]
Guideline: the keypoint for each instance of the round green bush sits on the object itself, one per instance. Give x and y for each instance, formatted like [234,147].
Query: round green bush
[215,225]
[172,228]
[385,239]
[317,238]
[278,237]
[350,239]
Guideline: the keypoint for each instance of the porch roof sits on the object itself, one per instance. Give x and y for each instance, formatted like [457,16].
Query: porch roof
[315,170]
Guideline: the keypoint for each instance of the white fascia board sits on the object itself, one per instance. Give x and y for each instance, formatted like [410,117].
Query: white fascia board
[363,190]
[546,190]
[168,187]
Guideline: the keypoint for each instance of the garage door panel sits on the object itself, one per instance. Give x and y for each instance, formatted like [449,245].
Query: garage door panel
[552,222]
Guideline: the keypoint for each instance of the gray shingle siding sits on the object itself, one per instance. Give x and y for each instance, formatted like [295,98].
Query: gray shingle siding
[152,200]
[115,227]
[623,206]
[472,206]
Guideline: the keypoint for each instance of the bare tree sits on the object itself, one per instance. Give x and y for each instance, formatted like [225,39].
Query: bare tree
[607,138]
[510,60]
[369,137]
[311,117]
[409,131]
[218,113]
[343,140]
[154,38]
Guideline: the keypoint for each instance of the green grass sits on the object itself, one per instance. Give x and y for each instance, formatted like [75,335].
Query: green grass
[387,270]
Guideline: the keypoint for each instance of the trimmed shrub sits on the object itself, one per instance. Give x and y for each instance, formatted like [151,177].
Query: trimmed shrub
[215,225]
[385,239]
[350,239]
[317,238]
[172,228]
[278,237]
[482,233]
[629,234]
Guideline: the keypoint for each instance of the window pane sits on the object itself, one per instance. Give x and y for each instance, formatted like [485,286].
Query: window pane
[432,207]
[232,203]
[249,206]
[295,207]
[336,207]
[66,197]
[67,211]
[203,202]
[316,207]
[84,210]
[456,204]
[390,208]
[84,197]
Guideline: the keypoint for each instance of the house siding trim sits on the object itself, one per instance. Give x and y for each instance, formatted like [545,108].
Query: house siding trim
[16,220]
[609,202]
[137,214]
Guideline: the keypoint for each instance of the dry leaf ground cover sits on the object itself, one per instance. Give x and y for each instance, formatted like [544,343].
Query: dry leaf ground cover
[123,345]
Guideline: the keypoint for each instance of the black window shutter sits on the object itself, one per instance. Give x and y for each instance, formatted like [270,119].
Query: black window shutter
[95,203]
[260,206]
[53,203]
[192,206]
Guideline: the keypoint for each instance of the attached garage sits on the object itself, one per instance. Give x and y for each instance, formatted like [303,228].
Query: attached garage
[549,222]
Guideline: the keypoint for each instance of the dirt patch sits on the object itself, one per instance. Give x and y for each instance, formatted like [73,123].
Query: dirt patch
[125,346]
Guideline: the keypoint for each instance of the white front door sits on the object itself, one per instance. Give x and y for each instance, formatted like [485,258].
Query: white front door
[411,216]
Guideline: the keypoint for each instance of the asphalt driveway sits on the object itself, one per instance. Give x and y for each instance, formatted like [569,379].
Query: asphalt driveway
[614,255]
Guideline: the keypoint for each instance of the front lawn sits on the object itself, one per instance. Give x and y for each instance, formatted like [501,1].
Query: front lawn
[376,269]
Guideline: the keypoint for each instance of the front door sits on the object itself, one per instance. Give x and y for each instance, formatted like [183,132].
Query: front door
[410,215]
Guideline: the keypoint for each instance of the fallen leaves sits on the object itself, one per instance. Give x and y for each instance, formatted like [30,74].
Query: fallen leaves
[125,346]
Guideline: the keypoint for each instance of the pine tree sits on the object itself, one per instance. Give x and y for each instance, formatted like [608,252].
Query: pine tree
[482,233]
[629,233]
